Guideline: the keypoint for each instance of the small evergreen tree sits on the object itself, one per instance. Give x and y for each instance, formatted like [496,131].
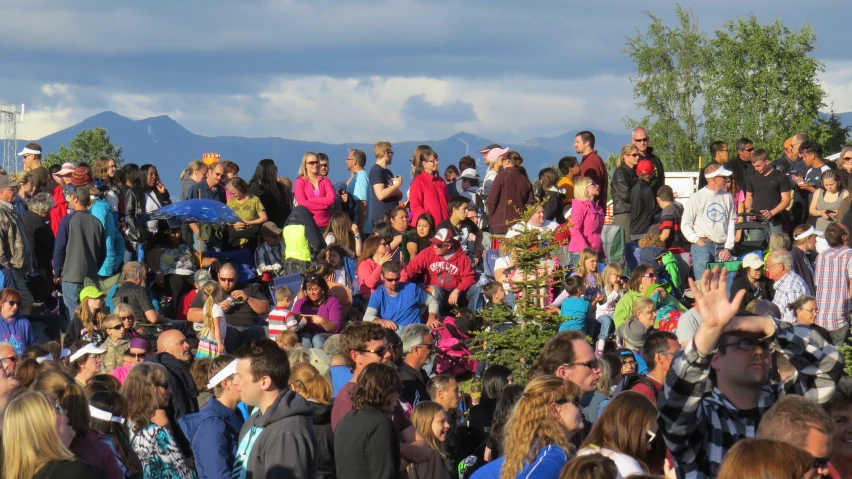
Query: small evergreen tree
[88,146]
[536,270]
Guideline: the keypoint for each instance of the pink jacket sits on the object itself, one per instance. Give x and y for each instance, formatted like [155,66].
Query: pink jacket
[320,206]
[428,194]
[369,277]
[588,220]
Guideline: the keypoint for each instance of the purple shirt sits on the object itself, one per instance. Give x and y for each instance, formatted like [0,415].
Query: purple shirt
[329,310]
[18,332]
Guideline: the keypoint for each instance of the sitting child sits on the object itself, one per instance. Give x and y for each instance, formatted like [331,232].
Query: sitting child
[633,332]
[115,344]
[611,288]
[575,308]
[496,311]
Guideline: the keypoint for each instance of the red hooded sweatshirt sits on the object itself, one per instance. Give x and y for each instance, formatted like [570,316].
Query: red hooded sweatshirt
[59,210]
[428,194]
[453,273]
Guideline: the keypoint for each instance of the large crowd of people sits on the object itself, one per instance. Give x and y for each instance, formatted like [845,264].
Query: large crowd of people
[327,333]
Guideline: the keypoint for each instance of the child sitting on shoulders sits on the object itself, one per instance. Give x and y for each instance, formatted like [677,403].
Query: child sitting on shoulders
[281,318]
[574,309]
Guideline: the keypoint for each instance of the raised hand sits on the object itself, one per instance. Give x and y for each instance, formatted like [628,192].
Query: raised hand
[714,307]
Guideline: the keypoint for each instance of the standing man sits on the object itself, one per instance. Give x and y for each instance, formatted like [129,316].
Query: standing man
[570,170]
[278,441]
[812,156]
[16,255]
[798,170]
[719,153]
[803,253]
[709,220]
[767,192]
[788,285]
[785,161]
[385,187]
[358,185]
[741,165]
[210,188]
[84,250]
[592,166]
[32,162]
[833,280]
[640,140]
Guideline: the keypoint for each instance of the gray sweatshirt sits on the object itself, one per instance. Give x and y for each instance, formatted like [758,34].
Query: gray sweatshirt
[710,214]
[86,248]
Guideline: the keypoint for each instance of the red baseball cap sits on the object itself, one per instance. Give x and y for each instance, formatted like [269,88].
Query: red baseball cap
[645,167]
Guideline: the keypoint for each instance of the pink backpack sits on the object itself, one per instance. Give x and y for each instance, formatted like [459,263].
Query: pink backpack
[451,355]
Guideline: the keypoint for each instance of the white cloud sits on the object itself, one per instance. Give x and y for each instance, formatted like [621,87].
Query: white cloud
[837,83]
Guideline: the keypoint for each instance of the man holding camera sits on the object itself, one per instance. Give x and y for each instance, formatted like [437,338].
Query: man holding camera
[242,306]
[385,194]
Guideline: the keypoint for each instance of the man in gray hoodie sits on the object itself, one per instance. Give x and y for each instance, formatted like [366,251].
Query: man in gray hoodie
[278,440]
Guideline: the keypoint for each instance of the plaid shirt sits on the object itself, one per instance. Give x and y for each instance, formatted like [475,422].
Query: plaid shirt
[787,290]
[700,425]
[831,279]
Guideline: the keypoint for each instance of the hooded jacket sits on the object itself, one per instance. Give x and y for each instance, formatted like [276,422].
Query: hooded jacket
[428,194]
[325,440]
[112,237]
[301,235]
[452,273]
[510,193]
[588,220]
[279,443]
[213,433]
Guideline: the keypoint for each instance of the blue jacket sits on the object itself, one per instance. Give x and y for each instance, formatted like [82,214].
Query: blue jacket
[213,434]
[113,238]
[547,465]
[18,332]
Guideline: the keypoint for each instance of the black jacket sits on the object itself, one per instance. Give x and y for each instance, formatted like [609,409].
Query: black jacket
[278,203]
[413,384]
[659,178]
[184,394]
[366,446]
[553,201]
[782,164]
[741,170]
[763,289]
[325,440]
[41,239]
[479,425]
[643,207]
[623,179]
[136,230]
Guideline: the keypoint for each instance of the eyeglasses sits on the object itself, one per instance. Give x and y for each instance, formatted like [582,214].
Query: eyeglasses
[748,344]
[392,280]
[649,275]
[96,357]
[311,162]
[641,140]
[117,327]
[628,362]
[12,359]
[431,345]
[323,165]
[574,400]
[634,155]
[378,352]
[847,158]
[431,160]
[137,357]
[810,311]
[591,364]
[13,303]
[821,462]
[227,280]
[749,149]
[127,318]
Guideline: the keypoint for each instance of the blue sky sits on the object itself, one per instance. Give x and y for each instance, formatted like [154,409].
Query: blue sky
[357,71]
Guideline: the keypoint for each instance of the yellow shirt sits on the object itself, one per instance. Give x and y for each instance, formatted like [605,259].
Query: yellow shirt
[567,184]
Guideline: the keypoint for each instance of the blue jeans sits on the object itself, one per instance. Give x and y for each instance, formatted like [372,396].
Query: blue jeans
[701,255]
[71,297]
[606,325]
[471,299]
[314,340]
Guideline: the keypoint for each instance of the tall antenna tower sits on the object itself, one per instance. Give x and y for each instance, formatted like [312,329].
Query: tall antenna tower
[9,118]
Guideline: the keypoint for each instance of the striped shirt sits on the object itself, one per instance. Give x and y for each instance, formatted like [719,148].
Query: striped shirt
[787,290]
[831,279]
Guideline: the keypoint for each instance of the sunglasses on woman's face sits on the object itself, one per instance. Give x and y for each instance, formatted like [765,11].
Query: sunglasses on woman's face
[117,327]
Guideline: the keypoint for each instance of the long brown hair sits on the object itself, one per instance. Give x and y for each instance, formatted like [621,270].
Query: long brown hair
[622,429]
[371,245]
[91,321]
[307,381]
[140,390]
[533,425]
[422,417]
[339,226]
[765,459]
[422,152]
[635,281]
[62,389]
[375,384]
[114,403]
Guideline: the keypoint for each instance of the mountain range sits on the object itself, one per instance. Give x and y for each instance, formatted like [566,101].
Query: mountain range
[163,142]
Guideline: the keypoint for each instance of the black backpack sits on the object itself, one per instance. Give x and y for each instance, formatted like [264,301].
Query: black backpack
[629,380]
[480,200]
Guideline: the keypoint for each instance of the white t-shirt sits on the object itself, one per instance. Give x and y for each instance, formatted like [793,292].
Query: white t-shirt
[627,466]
[519,228]
[502,263]
[218,315]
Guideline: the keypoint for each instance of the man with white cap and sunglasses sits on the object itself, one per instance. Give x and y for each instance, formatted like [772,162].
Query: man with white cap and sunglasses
[803,252]
[32,162]
[709,220]
[213,432]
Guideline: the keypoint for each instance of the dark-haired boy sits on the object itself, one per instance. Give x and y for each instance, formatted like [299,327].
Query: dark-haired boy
[670,218]
[278,439]
[463,229]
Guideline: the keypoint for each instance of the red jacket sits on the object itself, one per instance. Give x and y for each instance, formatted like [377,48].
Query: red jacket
[59,210]
[320,206]
[428,194]
[453,273]
[592,166]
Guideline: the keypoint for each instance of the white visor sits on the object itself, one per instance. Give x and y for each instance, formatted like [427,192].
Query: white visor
[27,151]
[222,375]
[720,172]
[103,415]
[46,357]
[808,232]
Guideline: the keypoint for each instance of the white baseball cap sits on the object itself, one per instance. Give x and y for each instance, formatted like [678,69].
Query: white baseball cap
[753,261]
[87,349]
[470,174]
[722,171]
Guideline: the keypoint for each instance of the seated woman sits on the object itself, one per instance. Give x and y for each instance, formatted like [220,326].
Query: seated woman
[373,256]
[339,291]
[341,231]
[643,282]
[751,279]
[319,309]
[249,208]
[418,239]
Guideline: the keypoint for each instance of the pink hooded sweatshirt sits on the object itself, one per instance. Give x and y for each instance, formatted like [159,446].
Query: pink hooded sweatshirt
[588,220]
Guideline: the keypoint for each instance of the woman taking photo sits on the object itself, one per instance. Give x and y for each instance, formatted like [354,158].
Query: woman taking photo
[369,268]
[36,435]
[418,239]
[314,192]
[623,179]
[430,420]
[825,203]
[587,217]
[428,192]
[537,441]
[276,198]
[147,394]
[321,311]
[313,386]
[148,194]
[627,433]
[88,446]
[365,441]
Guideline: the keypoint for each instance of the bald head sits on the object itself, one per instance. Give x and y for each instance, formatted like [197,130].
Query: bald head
[640,139]
[227,277]
[174,343]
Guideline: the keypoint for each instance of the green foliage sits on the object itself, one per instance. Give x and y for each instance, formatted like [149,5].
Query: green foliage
[669,66]
[88,146]
[846,351]
[537,269]
[748,80]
